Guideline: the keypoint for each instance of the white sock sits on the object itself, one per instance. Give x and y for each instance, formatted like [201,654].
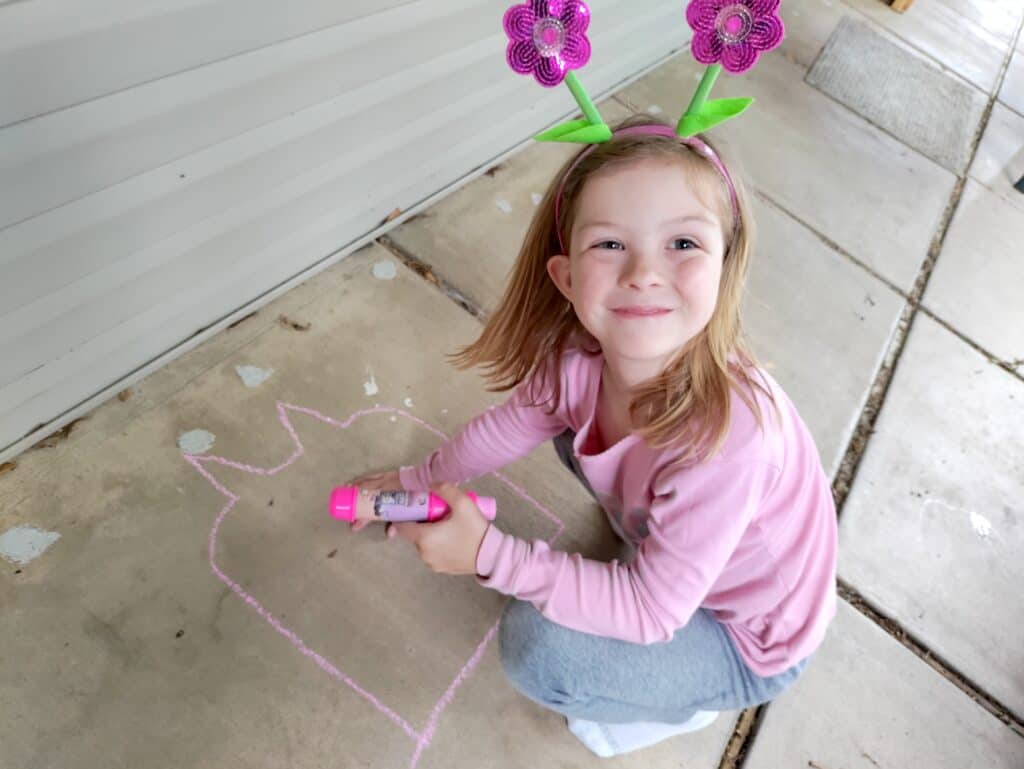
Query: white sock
[607,740]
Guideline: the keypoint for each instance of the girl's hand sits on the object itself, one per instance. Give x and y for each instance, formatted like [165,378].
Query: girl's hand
[387,480]
[450,545]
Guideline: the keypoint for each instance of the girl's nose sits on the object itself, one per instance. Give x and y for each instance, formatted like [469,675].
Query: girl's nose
[640,271]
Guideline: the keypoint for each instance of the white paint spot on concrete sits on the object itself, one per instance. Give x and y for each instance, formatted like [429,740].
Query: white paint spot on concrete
[408,403]
[444,411]
[25,543]
[981,525]
[654,109]
[196,441]
[370,386]
[503,204]
[253,376]
[536,197]
[392,418]
[385,270]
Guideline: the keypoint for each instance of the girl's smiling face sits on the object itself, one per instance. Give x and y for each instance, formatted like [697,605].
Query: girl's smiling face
[645,263]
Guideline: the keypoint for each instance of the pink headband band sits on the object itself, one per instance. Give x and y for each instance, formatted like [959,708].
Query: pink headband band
[653,130]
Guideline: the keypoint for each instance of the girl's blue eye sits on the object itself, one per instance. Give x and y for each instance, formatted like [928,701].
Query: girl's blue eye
[614,245]
[684,244]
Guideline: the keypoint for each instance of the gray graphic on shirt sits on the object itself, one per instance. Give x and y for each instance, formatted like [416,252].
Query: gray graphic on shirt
[631,527]
[635,524]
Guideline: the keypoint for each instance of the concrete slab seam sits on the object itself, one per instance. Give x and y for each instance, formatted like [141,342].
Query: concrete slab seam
[866,424]
[1008,366]
[426,272]
[942,666]
[742,738]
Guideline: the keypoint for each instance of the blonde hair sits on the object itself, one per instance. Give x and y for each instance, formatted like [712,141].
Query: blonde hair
[688,404]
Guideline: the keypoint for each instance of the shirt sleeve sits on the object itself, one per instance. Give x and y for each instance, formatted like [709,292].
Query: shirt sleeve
[694,527]
[500,435]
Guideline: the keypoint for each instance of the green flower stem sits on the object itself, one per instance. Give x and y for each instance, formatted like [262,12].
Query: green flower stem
[706,83]
[589,110]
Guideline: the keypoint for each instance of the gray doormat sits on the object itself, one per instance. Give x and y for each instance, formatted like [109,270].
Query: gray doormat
[930,111]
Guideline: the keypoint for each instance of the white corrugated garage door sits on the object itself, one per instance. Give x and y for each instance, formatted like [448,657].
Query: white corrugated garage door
[168,166]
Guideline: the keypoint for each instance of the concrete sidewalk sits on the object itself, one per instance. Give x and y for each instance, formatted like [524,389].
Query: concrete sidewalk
[209,614]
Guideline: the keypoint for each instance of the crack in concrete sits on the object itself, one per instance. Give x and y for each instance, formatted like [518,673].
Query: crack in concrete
[942,666]
[857,447]
[107,632]
[58,436]
[865,425]
[1009,366]
[743,734]
[427,272]
[214,630]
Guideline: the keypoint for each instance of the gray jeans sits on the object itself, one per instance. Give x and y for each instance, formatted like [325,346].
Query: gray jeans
[611,681]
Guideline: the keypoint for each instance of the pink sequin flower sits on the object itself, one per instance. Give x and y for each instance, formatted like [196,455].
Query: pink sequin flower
[547,38]
[733,32]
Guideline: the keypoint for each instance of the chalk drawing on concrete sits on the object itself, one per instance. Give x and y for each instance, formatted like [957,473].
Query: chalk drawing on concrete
[423,736]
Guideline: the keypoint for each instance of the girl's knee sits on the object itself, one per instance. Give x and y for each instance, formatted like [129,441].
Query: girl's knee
[517,634]
[776,685]
[527,648]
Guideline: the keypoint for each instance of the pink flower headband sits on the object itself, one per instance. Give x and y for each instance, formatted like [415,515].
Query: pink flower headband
[547,38]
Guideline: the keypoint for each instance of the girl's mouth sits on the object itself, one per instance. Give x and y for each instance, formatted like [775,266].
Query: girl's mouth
[640,311]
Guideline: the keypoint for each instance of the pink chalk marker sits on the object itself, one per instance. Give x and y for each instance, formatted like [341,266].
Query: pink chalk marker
[349,503]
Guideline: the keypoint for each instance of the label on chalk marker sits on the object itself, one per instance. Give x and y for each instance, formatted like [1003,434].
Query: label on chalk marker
[401,505]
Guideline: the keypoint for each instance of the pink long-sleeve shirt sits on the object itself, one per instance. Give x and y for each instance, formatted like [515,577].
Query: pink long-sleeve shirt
[749,535]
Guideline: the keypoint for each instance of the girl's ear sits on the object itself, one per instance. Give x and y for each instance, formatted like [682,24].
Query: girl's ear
[558,270]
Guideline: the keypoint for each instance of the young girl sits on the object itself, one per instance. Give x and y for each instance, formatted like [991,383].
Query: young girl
[619,336]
